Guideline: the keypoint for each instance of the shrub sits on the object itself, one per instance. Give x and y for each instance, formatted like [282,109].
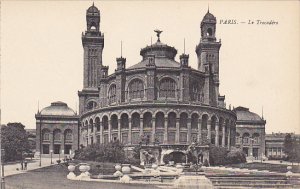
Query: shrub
[235,156]
[217,155]
[111,152]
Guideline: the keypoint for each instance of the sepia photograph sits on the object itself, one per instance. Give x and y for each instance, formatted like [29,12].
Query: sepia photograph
[149,94]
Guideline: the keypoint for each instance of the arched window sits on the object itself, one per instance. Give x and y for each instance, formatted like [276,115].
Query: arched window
[194,121]
[136,89]
[147,119]
[112,94]
[97,123]
[91,125]
[167,88]
[135,120]
[246,138]
[204,122]
[124,121]
[160,120]
[183,120]
[46,135]
[255,137]
[114,122]
[172,120]
[57,135]
[68,135]
[91,105]
[105,122]
[209,32]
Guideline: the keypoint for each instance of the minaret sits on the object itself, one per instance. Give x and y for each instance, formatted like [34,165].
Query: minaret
[208,58]
[93,44]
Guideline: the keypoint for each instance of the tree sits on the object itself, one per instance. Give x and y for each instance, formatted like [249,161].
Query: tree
[288,145]
[14,141]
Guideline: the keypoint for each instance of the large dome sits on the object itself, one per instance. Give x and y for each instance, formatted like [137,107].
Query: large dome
[243,114]
[58,109]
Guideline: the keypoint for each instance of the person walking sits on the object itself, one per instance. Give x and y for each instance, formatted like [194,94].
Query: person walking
[25,165]
[21,164]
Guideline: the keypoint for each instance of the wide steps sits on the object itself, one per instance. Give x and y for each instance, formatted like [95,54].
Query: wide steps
[250,181]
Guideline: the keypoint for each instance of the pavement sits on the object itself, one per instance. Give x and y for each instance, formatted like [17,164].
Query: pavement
[15,168]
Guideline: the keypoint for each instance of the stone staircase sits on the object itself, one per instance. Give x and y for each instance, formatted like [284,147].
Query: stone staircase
[254,181]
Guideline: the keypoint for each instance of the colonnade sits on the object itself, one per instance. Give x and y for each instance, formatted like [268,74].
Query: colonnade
[165,128]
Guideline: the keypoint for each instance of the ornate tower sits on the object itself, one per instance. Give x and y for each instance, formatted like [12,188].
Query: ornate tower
[93,44]
[208,58]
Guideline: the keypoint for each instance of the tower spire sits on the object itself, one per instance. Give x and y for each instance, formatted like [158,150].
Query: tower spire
[121,48]
[208,8]
[183,45]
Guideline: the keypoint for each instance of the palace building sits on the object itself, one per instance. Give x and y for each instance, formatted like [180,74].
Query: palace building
[250,133]
[159,98]
[57,130]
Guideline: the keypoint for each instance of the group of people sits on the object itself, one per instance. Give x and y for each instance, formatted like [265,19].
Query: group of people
[24,165]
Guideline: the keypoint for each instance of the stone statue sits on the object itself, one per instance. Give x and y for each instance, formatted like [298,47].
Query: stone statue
[149,158]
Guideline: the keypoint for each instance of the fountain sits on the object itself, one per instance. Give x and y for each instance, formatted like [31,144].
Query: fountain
[190,176]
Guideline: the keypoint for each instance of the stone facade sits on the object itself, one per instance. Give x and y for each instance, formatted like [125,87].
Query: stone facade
[250,133]
[158,98]
[57,130]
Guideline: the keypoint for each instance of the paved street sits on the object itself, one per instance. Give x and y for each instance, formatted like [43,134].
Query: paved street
[12,169]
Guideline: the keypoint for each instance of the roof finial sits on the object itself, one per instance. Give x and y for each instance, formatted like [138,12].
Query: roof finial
[121,48]
[262,112]
[38,106]
[93,4]
[158,32]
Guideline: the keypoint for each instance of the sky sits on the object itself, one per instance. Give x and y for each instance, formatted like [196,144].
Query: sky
[42,54]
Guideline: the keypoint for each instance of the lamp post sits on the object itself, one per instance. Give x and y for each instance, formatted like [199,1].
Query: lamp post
[2,184]
[51,152]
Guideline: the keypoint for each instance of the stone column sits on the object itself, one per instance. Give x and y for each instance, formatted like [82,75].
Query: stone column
[199,131]
[217,134]
[209,130]
[177,131]
[101,133]
[229,136]
[62,144]
[223,136]
[129,131]
[51,141]
[141,127]
[153,129]
[119,130]
[189,128]
[166,130]
[109,130]
[94,133]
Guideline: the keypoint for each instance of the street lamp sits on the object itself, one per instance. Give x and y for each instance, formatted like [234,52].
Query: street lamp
[51,152]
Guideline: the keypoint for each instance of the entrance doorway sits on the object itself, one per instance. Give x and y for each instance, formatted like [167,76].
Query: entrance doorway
[56,148]
[45,148]
[255,153]
[245,150]
[68,149]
